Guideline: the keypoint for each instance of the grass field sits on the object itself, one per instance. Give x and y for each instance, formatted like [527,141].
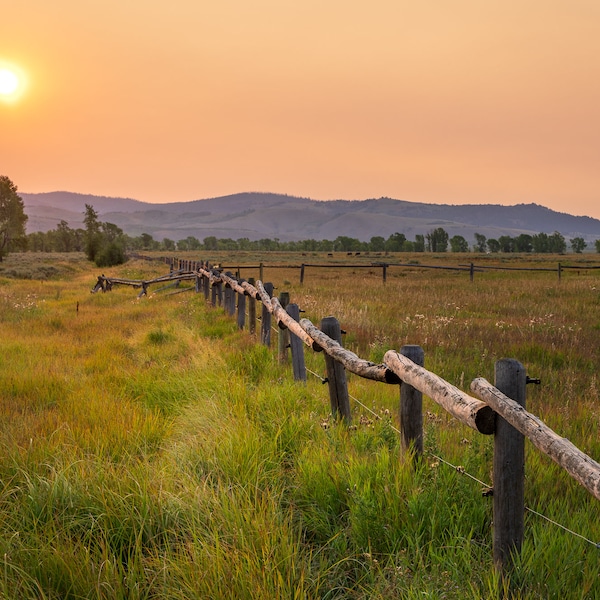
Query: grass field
[148,449]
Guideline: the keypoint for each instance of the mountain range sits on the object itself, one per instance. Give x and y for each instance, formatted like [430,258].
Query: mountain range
[264,215]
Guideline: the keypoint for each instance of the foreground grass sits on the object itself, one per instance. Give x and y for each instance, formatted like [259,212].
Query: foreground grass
[149,450]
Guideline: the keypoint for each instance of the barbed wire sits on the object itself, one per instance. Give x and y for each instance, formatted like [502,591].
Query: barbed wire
[461,470]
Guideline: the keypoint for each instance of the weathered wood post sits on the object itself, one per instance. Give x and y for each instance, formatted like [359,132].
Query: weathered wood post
[251,310]
[206,287]
[265,327]
[261,269]
[559,271]
[471,272]
[296,346]
[336,374]
[302,273]
[241,309]
[384,267]
[198,283]
[283,340]
[229,303]
[411,406]
[509,469]
[219,287]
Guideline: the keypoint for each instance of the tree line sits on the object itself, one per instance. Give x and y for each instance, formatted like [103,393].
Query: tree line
[105,242]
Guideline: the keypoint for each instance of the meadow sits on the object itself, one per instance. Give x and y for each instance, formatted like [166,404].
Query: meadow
[149,449]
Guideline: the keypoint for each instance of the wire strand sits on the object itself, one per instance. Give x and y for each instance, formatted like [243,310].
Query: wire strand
[461,471]
[537,514]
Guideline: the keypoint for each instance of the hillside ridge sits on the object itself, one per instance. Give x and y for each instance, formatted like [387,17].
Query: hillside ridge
[257,215]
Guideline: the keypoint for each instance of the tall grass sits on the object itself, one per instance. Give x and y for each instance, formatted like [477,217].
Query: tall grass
[150,450]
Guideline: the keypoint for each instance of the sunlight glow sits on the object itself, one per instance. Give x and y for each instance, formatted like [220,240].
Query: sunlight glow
[9,82]
[12,82]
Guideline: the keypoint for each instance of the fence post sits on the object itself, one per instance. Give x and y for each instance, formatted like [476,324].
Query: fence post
[198,283]
[296,346]
[265,327]
[261,274]
[251,310]
[509,469]
[336,374]
[411,406]
[284,335]
[384,266]
[301,273]
[213,296]
[219,288]
[206,287]
[241,309]
[229,302]
[471,272]
[559,271]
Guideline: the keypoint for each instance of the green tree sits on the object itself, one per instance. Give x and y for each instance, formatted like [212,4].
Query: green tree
[578,245]
[459,244]
[93,237]
[344,243]
[419,245]
[539,241]
[377,243]
[12,217]
[557,243]
[395,243]
[211,243]
[597,245]
[168,244]
[437,240]
[493,245]
[65,237]
[480,240]
[507,244]
[523,243]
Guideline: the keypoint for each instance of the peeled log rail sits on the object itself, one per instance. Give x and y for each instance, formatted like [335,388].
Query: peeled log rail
[233,284]
[264,297]
[351,361]
[579,465]
[284,318]
[467,410]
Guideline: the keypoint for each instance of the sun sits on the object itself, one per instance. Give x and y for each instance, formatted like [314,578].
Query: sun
[12,82]
[9,82]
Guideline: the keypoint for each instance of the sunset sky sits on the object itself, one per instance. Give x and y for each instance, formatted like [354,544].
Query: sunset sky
[453,102]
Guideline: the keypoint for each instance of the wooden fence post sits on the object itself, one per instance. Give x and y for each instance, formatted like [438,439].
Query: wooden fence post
[559,271]
[302,273]
[411,406]
[206,287]
[198,283]
[241,309]
[229,301]
[336,374]
[471,272]
[296,346]
[384,266]
[251,310]
[509,469]
[265,327]
[261,269]
[219,288]
[284,335]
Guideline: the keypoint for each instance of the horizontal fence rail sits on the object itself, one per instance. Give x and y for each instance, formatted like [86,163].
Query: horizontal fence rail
[484,414]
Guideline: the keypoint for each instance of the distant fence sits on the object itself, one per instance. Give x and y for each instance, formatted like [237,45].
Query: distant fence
[497,409]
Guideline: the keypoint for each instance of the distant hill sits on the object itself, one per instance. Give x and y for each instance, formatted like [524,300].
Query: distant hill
[262,215]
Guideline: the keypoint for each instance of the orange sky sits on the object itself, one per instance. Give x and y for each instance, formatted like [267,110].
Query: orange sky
[463,101]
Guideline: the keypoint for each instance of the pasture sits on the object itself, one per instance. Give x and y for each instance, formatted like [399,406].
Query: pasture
[149,449]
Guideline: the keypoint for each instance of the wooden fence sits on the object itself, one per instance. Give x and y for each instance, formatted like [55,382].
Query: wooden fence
[497,410]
